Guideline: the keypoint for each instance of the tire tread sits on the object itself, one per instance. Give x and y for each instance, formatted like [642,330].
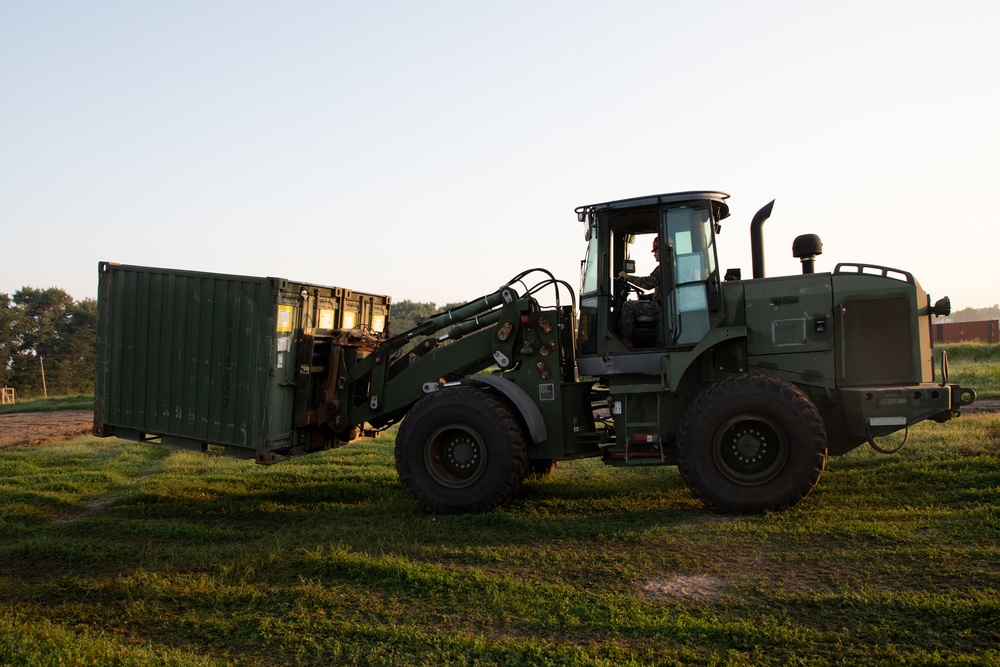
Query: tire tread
[471,399]
[713,396]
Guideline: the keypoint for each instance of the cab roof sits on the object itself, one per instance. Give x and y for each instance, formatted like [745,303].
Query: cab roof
[652,200]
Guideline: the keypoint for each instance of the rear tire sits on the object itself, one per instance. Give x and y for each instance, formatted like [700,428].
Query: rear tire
[751,443]
[460,450]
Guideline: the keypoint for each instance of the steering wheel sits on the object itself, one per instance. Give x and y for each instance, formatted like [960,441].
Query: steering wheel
[625,287]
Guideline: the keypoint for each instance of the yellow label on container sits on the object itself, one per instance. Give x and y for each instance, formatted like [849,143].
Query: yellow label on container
[284,318]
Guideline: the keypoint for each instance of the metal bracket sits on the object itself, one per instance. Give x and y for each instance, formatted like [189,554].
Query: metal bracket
[886,421]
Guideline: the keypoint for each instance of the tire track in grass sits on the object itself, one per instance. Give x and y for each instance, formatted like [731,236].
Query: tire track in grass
[94,507]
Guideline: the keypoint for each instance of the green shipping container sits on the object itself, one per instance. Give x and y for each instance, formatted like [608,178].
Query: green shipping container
[209,362]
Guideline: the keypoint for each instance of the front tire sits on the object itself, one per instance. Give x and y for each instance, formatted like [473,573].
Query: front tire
[461,450]
[751,443]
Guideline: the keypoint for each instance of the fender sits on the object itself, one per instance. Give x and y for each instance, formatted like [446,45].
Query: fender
[520,399]
[676,364]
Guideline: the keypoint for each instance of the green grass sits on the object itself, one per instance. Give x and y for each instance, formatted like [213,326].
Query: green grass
[128,554]
[974,365]
[75,402]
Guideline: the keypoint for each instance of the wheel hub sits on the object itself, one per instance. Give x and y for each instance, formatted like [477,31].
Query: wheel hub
[455,455]
[750,449]
[462,453]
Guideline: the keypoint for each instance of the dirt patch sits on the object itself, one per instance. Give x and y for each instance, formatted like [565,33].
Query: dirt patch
[982,405]
[697,587]
[35,428]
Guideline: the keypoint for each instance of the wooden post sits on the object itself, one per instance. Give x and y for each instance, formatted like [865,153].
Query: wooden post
[45,392]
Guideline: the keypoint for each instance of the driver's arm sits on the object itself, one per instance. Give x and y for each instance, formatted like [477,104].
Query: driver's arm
[651,281]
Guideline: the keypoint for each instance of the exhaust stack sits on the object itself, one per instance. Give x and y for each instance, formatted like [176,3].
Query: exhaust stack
[757,239]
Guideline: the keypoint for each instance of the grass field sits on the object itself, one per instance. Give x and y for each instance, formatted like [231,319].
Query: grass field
[75,402]
[115,553]
[974,365]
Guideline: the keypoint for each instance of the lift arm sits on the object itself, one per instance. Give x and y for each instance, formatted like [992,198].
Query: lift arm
[482,333]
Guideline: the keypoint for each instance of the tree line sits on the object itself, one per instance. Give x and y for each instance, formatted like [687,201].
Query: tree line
[976,314]
[46,331]
[406,313]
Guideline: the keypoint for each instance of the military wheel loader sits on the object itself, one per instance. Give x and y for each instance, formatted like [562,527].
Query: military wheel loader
[746,385]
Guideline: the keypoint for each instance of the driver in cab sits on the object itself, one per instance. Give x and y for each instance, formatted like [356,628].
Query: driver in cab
[630,309]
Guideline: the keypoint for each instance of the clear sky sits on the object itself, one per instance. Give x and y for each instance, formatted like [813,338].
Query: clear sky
[433,149]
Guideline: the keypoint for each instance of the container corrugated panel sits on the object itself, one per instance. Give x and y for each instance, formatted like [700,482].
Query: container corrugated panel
[184,355]
[984,331]
[206,361]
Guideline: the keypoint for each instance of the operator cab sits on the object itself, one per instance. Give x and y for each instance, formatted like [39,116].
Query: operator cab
[657,305]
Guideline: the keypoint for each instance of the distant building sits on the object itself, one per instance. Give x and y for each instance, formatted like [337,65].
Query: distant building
[984,331]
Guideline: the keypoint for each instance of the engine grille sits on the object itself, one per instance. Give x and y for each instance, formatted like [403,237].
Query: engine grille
[877,341]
